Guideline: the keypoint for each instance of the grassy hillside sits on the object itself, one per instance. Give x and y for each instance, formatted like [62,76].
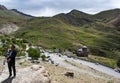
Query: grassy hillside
[101,39]
[12,16]
[108,15]
[75,17]
[70,31]
[50,33]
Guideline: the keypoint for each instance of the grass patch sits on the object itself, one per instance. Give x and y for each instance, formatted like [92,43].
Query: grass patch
[102,60]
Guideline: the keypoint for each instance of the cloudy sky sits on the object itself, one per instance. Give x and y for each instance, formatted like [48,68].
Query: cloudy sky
[53,7]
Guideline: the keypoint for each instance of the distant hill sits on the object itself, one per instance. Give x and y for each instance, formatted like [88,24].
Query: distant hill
[2,7]
[112,17]
[12,16]
[108,15]
[75,17]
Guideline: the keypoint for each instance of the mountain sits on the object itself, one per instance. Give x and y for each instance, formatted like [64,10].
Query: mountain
[111,17]
[99,32]
[108,15]
[12,16]
[2,7]
[75,17]
[21,14]
[72,30]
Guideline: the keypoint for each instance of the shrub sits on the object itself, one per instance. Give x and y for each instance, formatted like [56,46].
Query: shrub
[5,45]
[23,46]
[1,51]
[14,40]
[34,53]
[25,41]
[20,53]
[43,57]
[3,40]
[118,62]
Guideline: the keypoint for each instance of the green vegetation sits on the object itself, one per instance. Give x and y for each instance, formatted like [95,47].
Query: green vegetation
[101,39]
[70,31]
[34,53]
[118,62]
[43,57]
[102,60]
[7,41]
[20,53]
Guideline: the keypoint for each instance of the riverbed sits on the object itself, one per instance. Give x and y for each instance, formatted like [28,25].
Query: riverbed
[61,60]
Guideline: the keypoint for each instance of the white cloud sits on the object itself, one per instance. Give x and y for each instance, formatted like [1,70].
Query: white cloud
[45,12]
[115,3]
[52,7]
[4,1]
[40,1]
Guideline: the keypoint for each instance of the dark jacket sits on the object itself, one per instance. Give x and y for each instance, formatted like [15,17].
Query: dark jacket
[11,57]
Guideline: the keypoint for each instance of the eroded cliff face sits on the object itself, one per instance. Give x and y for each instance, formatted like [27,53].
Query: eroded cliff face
[31,74]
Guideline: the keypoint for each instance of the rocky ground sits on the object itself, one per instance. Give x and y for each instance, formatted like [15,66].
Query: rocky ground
[58,75]
[26,73]
[44,72]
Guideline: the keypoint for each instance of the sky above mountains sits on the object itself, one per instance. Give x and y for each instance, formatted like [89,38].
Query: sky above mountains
[53,7]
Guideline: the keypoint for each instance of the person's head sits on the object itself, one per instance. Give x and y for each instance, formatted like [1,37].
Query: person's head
[12,47]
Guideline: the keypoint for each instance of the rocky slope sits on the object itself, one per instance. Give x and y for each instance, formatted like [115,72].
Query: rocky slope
[30,74]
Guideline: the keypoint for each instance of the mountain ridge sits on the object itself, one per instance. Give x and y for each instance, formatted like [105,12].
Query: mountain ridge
[15,10]
[75,17]
[2,7]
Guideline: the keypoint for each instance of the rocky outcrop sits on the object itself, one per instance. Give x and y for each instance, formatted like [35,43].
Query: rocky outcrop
[2,7]
[8,28]
[32,74]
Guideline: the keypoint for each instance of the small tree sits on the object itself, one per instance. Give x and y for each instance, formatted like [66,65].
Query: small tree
[34,53]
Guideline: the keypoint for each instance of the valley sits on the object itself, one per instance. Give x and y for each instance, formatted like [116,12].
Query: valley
[65,32]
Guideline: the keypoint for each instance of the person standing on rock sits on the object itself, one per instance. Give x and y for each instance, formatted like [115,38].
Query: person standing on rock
[11,61]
